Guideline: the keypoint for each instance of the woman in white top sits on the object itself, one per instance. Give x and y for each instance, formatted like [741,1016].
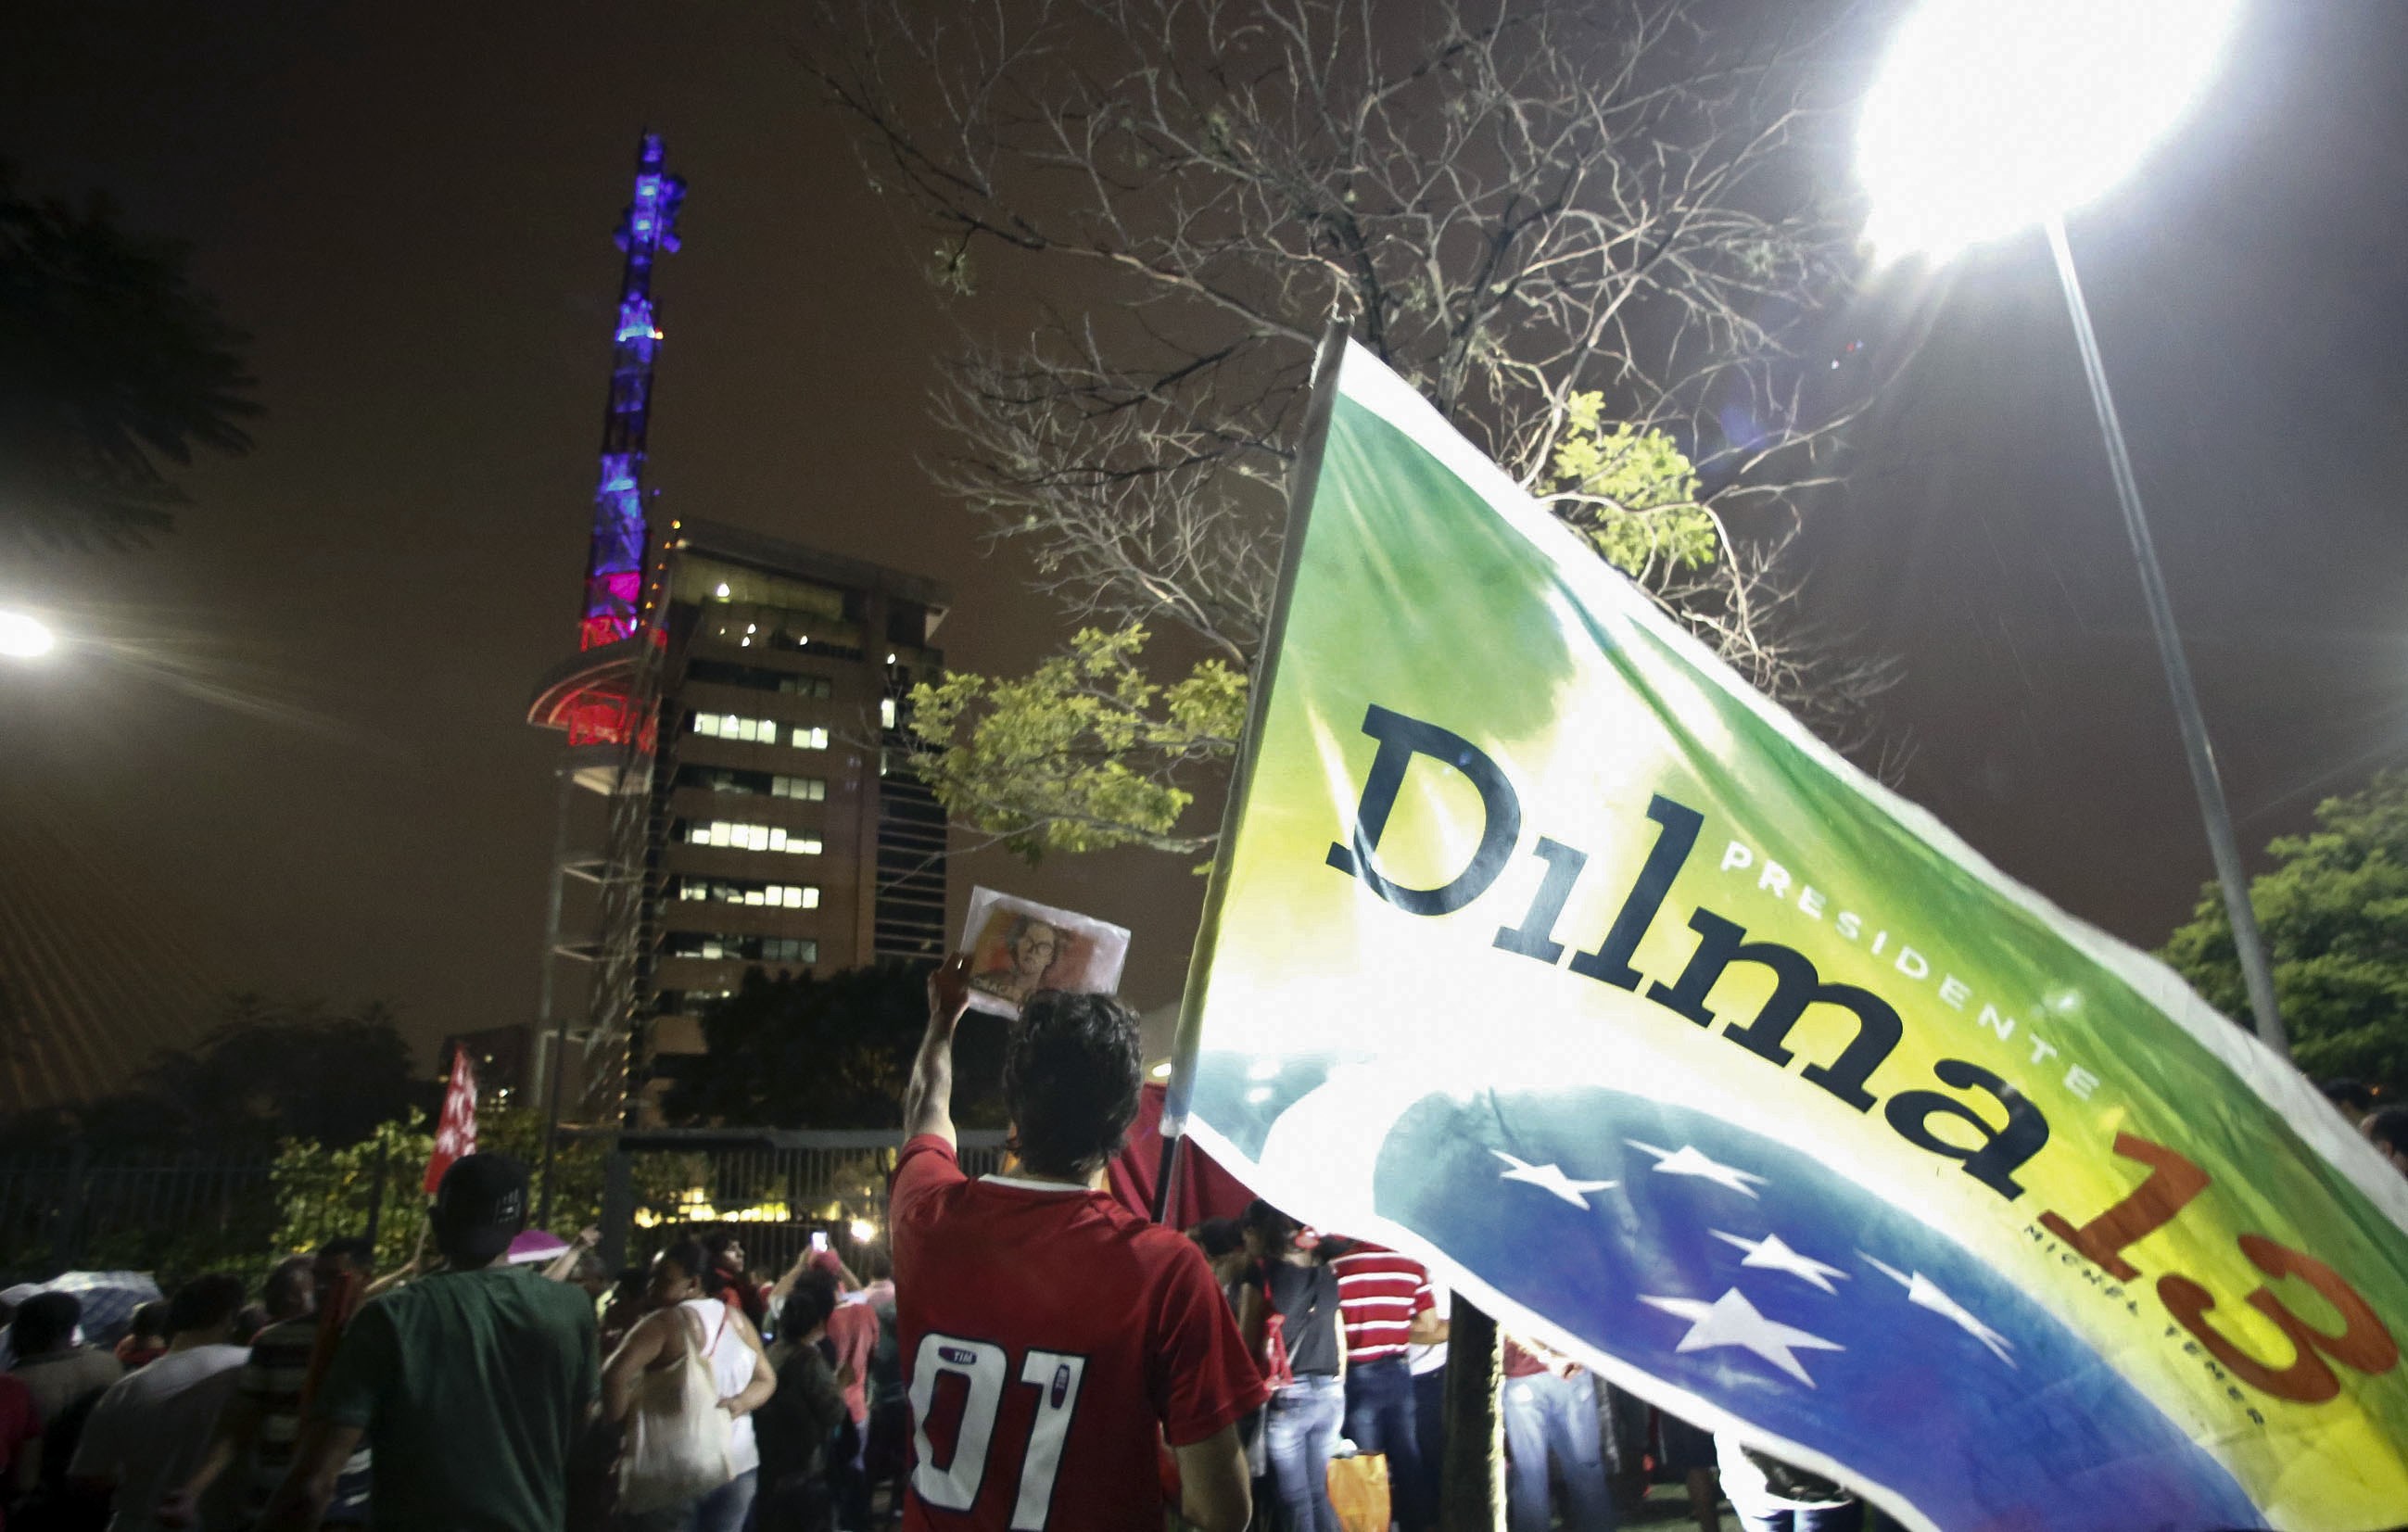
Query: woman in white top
[683,1318]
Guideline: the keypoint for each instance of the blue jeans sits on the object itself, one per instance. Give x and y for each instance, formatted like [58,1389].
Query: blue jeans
[1297,1431]
[1543,1414]
[1429,1426]
[1382,1417]
[724,1510]
[1847,1518]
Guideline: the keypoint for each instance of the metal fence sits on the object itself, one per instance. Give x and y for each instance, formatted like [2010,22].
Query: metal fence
[775,1188]
[179,1217]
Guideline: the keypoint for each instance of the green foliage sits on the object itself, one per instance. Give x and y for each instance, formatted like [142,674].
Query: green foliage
[1085,752]
[321,1193]
[2335,915]
[803,1052]
[112,365]
[1631,493]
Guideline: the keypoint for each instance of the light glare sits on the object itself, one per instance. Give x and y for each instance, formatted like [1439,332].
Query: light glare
[23,637]
[1989,116]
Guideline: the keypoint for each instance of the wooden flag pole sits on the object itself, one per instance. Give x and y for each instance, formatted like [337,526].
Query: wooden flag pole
[1303,475]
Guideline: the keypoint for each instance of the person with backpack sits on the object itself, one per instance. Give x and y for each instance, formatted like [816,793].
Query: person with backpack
[1290,1315]
[687,1379]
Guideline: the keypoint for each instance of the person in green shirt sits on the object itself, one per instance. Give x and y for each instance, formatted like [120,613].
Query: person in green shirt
[471,1383]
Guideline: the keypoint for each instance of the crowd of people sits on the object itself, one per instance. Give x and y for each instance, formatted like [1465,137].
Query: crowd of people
[1246,1358]
[463,1392]
[1041,1359]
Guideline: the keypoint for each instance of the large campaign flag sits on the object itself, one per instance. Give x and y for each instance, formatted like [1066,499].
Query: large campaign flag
[1543,949]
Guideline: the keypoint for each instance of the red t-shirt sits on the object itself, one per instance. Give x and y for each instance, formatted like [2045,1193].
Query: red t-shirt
[1053,1340]
[852,1333]
[1380,1292]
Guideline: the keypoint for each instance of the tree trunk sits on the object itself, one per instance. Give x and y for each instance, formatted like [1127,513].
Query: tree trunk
[1471,1478]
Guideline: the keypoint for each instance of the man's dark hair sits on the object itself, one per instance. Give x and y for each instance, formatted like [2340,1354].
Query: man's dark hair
[1219,1237]
[2389,1129]
[45,1322]
[809,1304]
[2348,1095]
[287,1292]
[1072,1071]
[207,1300]
[149,1321]
[352,1250]
[1277,1229]
[719,1242]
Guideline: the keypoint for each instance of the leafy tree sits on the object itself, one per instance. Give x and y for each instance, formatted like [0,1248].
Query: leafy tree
[270,1070]
[1588,233]
[113,367]
[323,1192]
[802,1052]
[2334,911]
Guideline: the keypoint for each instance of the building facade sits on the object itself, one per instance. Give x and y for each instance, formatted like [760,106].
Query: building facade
[755,808]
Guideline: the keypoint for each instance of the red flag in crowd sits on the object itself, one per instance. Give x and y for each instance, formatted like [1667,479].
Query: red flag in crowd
[455,1134]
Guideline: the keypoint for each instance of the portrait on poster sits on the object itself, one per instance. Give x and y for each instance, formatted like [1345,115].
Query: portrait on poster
[1017,946]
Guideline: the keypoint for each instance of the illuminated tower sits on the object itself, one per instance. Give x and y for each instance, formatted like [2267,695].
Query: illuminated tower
[737,791]
[606,697]
[614,569]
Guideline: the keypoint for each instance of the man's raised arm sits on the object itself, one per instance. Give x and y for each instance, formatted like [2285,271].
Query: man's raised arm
[928,1100]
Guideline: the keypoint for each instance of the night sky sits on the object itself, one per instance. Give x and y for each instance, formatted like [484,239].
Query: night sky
[302,756]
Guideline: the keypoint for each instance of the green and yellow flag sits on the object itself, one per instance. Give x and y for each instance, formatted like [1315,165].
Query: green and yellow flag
[1545,949]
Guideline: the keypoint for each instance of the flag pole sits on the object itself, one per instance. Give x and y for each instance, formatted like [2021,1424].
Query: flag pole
[1303,475]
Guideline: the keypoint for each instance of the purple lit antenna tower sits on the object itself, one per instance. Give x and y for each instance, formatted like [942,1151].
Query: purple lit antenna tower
[606,697]
[614,573]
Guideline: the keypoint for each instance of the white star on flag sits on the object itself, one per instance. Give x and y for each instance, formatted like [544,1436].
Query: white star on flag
[1551,1179]
[1924,1293]
[1732,1321]
[1772,1254]
[1688,1160]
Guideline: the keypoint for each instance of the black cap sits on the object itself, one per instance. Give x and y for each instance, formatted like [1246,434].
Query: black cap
[480,1208]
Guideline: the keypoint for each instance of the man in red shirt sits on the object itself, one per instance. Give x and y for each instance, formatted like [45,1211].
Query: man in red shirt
[1053,1340]
[853,1334]
[1385,1304]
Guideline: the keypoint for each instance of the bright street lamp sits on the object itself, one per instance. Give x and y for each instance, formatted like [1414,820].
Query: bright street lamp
[1991,115]
[24,637]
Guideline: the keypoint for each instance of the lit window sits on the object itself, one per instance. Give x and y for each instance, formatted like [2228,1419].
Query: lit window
[752,838]
[886,712]
[809,738]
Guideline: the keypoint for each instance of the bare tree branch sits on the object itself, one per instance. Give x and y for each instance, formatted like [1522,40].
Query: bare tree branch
[1511,201]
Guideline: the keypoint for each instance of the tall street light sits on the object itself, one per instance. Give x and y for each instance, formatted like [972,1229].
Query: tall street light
[1989,116]
[24,637]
